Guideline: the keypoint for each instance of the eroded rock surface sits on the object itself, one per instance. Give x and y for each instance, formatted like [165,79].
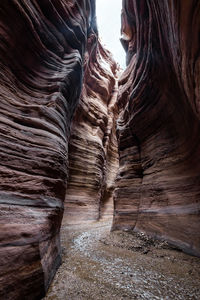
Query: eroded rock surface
[158,184]
[93,153]
[46,48]
[41,65]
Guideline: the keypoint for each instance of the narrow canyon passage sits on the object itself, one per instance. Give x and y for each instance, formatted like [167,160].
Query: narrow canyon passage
[87,147]
[101,265]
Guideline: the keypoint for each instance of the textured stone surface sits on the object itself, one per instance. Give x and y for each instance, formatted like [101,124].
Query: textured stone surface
[93,154]
[43,44]
[41,65]
[158,184]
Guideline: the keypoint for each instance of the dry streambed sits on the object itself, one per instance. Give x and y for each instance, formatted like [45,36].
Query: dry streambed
[98,265]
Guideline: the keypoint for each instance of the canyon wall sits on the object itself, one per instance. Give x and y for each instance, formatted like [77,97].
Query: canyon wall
[41,68]
[93,153]
[50,56]
[158,184]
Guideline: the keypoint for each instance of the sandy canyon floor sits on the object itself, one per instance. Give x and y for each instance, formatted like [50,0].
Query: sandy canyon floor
[99,265]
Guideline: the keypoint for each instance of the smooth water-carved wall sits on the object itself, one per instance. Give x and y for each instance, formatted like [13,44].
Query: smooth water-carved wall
[93,153]
[158,184]
[41,68]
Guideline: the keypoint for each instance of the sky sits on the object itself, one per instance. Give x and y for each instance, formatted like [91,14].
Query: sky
[109,23]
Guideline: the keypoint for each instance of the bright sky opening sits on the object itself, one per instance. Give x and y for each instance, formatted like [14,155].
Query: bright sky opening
[109,23]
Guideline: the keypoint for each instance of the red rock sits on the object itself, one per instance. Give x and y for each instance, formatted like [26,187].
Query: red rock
[43,46]
[158,184]
[41,66]
[93,154]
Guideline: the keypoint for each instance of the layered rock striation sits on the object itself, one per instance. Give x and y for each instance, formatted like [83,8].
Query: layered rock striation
[93,153]
[41,68]
[50,57]
[158,183]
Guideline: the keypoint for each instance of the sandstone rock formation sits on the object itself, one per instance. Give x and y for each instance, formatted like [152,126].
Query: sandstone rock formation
[50,55]
[158,184]
[41,66]
[93,153]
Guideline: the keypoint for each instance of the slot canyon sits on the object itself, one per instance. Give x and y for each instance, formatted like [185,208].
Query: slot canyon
[99,166]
